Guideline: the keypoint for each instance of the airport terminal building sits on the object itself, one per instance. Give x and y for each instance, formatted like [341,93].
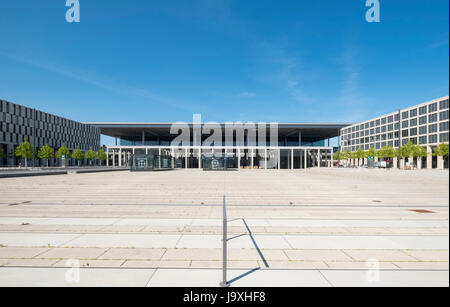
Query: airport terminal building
[261,146]
[296,146]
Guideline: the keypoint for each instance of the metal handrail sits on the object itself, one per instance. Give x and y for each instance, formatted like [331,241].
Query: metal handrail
[224,282]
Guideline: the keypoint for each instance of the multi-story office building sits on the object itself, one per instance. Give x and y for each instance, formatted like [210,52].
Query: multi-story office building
[426,124]
[18,123]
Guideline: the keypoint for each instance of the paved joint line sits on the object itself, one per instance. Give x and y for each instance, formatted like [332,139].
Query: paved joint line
[179,239]
[151,276]
[329,282]
[286,240]
[77,237]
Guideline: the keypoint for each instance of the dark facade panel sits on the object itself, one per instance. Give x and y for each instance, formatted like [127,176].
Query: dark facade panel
[18,123]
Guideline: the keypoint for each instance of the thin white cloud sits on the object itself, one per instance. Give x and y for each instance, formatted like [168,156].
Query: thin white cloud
[246,95]
[113,86]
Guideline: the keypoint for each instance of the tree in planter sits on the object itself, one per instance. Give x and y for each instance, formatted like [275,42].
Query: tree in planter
[46,153]
[441,151]
[419,152]
[63,151]
[102,156]
[78,155]
[386,152]
[91,155]
[24,151]
[360,154]
[347,155]
[354,156]
[407,151]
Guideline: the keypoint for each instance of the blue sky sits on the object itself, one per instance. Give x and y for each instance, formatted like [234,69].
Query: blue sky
[162,61]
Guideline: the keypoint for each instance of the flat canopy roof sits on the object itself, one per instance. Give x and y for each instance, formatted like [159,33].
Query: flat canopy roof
[316,131]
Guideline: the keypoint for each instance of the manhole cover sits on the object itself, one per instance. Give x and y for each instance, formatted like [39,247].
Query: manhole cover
[421,211]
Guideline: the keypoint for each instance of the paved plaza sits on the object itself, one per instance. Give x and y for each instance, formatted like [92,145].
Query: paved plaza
[314,227]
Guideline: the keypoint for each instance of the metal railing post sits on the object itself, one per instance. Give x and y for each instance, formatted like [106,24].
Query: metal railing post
[224,282]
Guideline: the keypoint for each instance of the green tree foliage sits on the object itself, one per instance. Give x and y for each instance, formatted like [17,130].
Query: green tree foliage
[91,155]
[386,152]
[78,155]
[102,156]
[24,151]
[441,150]
[360,154]
[407,150]
[63,151]
[371,152]
[347,154]
[46,152]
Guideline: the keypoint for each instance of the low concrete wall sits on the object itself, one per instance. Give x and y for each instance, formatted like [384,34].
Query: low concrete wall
[16,172]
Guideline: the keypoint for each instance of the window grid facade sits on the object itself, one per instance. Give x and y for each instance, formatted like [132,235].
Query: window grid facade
[426,124]
[18,123]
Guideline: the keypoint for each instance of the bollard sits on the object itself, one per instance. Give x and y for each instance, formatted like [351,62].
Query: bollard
[224,282]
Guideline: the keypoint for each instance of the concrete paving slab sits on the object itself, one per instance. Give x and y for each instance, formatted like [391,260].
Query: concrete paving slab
[294,265]
[30,262]
[387,278]
[358,265]
[91,263]
[125,240]
[367,242]
[45,277]
[156,264]
[123,228]
[422,265]
[134,253]
[195,254]
[73,253]
[317,255]
[21,252]
[77,221]
[380,255]
[20,220]
[35,239]
[239,278]
[155,222]
[429,255]
[232,264]
[279,278]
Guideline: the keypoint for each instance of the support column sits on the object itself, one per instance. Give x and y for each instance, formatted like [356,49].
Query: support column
[199,158]
[429,157]
[185,158]
[265,158]
[319,158]
[440,162]
[239,158]
[251,158]
[113,158]
[120,157]
[279,158]
[107,157]
[332,158]
[419,162]
[292,158]
[305,160]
